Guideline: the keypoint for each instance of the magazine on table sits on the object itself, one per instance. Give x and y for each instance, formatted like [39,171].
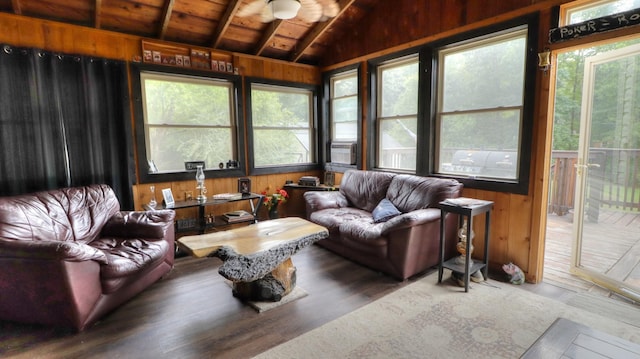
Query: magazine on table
[464,202]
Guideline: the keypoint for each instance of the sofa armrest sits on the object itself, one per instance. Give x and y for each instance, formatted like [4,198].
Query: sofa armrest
[51,250]
[411,219]
[318,200]
[140,224]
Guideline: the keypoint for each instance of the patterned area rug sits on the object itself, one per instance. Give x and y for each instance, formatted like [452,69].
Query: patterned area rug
[430,320]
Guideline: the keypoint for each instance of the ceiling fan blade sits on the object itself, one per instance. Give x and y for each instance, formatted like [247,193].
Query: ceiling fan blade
[330,8]
[266,15]
[310,11]
[254,8]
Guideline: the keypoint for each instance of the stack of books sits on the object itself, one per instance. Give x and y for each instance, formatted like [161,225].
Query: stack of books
[237,216]
[227,196]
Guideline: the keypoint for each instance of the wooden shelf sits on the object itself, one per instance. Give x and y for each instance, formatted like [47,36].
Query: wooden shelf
[187,57]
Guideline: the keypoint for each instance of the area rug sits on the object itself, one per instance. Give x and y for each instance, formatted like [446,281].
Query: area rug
[259,306]
[430,320]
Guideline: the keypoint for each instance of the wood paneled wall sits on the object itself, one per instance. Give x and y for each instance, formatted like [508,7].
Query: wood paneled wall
[399,24]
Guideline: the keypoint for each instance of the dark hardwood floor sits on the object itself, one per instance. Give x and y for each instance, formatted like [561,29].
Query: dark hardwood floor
[192,314]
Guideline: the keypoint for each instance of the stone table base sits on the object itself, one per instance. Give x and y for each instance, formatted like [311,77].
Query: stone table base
[271,287]
[257,258]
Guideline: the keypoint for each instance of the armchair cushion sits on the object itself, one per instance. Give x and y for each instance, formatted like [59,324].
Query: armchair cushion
[53,250]
[148,225]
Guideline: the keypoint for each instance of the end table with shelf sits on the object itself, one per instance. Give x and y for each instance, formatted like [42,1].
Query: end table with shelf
[295,206]
[255,200]
[468,209]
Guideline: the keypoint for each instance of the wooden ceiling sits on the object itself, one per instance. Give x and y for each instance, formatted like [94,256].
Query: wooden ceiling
[206,23]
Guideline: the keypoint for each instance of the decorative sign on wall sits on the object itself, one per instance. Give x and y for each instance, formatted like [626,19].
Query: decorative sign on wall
[593,26]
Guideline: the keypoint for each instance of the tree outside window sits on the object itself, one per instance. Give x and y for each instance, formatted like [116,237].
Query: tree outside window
[344,107]
[398,114]
[187,119]
[282,125]
[480,107]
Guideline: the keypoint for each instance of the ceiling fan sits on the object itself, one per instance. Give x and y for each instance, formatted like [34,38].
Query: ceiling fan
[305,10]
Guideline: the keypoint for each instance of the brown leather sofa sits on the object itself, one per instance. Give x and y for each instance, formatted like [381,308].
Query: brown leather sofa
[69,256]
[401,246]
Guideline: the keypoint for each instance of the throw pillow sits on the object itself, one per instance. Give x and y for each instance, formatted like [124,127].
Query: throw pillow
[384,211]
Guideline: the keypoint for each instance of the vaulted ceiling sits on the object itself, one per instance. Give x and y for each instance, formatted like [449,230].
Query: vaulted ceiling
[207,23]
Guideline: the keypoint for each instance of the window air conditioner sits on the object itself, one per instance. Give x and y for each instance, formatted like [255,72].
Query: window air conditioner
[343,152]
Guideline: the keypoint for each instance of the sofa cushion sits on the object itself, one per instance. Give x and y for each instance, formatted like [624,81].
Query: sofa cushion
[362,230]
[384,211]
[129,256]
[365,189]
[410,192]
[332,218]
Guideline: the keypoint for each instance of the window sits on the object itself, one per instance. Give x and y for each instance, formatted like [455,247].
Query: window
[343,116]
[184,115]
[282,126]
[397,114]
[480,108]
[578,12]
[187,119]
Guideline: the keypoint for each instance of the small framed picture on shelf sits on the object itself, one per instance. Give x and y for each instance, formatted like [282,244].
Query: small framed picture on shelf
[186,60]
[229,67]
[157,56]
[169,202]
[147,55]
[222,66]
[214,65]
[244,185]
[179,60]
[329,178]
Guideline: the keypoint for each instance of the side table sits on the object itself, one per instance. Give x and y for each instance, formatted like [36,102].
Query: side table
[295,205]
[465,207]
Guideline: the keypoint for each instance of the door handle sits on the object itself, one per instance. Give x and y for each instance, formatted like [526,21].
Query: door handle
[579,168]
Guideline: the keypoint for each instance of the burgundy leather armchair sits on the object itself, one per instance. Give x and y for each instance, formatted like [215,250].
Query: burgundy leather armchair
[403,245]
[69,256]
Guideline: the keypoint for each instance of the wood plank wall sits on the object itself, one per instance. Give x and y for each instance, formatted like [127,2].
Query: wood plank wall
[52,36]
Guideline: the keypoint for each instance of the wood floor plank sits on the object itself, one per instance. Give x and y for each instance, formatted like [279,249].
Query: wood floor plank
[191,313]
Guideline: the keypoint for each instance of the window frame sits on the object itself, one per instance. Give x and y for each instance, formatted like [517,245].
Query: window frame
[520,185]
[140,137]
[373,124]
[567,9]
[315,132]
[327,123]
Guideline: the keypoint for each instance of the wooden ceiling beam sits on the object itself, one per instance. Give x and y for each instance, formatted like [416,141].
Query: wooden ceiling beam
[225,21]
[17,9]
[317,31]
[166,17]
[97,12]
[267,37]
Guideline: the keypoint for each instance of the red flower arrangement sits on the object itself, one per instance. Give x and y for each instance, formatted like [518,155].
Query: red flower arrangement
[273,200]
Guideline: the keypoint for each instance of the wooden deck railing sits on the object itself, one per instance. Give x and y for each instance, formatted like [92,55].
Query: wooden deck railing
[614,181]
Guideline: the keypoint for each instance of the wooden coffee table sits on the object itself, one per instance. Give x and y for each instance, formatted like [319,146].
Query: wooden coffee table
[257,258]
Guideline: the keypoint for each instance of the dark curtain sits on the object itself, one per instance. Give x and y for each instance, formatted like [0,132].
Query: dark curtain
[65,122]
